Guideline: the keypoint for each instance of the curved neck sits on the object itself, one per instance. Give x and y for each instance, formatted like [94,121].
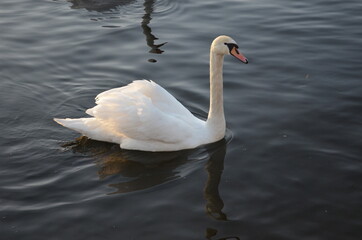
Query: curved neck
[216,119]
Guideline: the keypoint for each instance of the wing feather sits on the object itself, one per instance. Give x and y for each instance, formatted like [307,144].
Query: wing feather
[143,110]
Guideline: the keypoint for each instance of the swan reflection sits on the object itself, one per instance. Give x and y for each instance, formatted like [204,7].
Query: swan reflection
[99,5]
[108,5]
[211,233]
[142,170]
[214,168]
[146,19]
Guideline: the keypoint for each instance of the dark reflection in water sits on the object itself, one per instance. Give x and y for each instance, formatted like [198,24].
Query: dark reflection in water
[211,233]
[214,203]
[99,5]
[148,169]
[214,168]
[103,6]
[143,169]
[150,38]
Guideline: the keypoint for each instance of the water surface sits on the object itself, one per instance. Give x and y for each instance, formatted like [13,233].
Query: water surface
[290,167]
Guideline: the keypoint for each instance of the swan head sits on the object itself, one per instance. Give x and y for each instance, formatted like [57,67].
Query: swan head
[225,45]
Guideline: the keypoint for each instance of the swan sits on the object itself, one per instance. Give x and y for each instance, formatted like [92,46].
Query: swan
[144,116]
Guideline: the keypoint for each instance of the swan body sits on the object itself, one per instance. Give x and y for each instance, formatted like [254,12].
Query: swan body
[144,116]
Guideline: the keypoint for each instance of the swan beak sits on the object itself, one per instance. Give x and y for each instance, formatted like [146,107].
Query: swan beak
[238,55]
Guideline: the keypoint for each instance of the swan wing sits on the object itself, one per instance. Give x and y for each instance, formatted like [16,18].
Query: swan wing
[144,111]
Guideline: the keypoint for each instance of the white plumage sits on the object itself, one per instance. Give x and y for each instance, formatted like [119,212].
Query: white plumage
[144,116]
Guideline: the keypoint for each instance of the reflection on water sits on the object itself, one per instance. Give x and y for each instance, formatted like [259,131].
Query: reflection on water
[150,38]
[214,168]
[98,5]
[214,203]
[211,233]
[103,6]
[143,170]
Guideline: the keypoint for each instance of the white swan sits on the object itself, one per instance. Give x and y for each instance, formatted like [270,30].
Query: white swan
[144,116]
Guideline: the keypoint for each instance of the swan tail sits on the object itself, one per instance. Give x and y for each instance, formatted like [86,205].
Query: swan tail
[85,126]
[76,124]
[89,127]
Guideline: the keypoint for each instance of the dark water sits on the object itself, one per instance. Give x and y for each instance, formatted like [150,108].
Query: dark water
[290,167]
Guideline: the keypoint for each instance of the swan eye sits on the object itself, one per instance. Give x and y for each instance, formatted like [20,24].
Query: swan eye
[231,46]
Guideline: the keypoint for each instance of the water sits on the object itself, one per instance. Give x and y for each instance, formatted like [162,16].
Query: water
[290,167]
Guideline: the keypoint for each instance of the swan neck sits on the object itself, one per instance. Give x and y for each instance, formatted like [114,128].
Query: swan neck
[216,119]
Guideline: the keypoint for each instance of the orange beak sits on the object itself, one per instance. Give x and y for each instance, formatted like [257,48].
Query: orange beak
[238,55]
